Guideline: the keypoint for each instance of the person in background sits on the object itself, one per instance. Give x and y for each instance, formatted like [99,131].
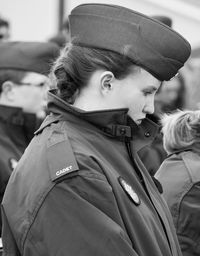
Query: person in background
[80,187]
[62,37]
[171,96]
[24,68]
[179,175]
[4,30]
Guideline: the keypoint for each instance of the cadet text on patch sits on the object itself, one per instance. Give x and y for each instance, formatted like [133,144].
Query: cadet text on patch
[64,170]
[60,156]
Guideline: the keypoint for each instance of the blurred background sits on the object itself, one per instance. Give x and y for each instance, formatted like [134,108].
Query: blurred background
[36,20]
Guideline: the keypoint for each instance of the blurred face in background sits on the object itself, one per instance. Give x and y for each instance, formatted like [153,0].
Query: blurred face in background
[31,93]
[171,96]
[170,91]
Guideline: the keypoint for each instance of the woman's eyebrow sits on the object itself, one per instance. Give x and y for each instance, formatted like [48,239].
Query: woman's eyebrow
[151,88]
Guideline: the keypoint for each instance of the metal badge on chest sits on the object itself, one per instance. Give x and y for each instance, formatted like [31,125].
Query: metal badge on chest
[129,191]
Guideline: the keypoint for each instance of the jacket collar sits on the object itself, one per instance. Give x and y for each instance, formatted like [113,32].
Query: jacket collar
[99,118]
[115,123]
[179,151]
[18,124]
[11,115]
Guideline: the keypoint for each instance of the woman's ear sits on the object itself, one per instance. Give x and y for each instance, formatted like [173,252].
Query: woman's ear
[7,90]
[106,80]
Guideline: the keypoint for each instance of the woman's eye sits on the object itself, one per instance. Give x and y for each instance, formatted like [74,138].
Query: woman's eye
[147,93]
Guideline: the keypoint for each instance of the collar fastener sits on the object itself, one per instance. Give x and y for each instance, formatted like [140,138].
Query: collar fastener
[121,131]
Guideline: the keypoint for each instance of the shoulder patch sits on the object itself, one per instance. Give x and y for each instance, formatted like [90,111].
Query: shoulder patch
[60,156]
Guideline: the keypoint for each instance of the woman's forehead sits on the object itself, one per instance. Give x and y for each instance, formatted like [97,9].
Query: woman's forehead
[147,79]
[33,76]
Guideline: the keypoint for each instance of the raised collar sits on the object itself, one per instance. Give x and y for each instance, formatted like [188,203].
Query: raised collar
[11,115]
[111,121]
[179,151]
[99,118]
[19,126]
[114,123]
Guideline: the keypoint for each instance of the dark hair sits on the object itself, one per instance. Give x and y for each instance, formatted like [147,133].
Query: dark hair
[13,75]
[75,65]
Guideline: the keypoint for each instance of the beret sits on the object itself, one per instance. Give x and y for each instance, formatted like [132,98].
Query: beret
[28,56]
[147,42]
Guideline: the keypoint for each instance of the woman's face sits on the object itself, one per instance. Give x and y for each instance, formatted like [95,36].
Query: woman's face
[135,92]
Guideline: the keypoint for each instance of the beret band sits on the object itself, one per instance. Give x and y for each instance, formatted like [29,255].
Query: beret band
[148,43]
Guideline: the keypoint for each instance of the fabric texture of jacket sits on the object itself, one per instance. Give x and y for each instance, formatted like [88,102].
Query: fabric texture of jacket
[180,176]
[81,189]
[154,150]
[16,131]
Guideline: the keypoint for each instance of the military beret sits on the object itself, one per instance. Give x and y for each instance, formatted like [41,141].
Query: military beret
[147,42]
[28,56]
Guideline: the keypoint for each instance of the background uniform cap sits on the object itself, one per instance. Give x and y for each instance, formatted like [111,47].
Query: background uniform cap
[28,56]
[148,42]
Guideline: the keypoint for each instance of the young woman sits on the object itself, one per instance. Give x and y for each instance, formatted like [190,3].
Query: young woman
[80,188]
[180,176]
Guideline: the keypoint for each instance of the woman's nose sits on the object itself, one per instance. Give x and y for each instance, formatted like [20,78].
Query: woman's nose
[149,107]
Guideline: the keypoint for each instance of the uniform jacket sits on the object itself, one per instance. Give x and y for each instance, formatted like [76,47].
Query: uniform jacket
[154,150]
[16,131]
[81,189]
[180,177]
